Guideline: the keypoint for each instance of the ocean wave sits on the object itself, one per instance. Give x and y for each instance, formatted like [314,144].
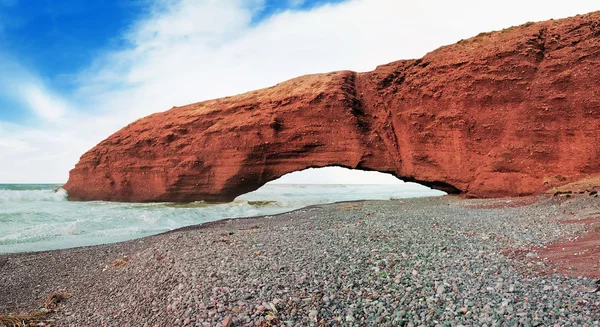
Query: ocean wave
[235,203]
[8,196]
[39,217]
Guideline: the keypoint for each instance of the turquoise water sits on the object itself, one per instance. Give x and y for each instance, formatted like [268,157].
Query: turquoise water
[38,217]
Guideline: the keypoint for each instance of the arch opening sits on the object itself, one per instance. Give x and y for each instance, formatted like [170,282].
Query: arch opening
[335,184]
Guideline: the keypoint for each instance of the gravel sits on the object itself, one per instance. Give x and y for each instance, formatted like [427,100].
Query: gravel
[409,262]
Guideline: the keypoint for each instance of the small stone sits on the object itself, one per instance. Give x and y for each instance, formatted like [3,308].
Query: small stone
[441,289]
[462,310]
[261,308]
[226,322]
[548,288]
[313,314]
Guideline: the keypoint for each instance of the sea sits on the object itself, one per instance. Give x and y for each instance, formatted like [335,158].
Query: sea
[39,217]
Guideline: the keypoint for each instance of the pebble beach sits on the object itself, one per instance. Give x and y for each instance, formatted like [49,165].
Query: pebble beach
[411,262]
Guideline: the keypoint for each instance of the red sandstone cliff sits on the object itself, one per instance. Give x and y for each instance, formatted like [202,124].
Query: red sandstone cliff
[506,113]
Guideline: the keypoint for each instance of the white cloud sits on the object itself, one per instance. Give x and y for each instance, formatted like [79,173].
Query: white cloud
[187,51]
[24,87]
[34,155]
[41,101]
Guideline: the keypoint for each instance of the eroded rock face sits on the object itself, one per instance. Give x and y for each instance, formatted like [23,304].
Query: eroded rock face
[507,113]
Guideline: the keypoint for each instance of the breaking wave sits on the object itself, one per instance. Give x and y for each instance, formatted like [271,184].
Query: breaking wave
[32,195]
[39,217]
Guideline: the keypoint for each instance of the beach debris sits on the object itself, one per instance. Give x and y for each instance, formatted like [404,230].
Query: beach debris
[32,319]
[120,262]
[55,298]
[37,318]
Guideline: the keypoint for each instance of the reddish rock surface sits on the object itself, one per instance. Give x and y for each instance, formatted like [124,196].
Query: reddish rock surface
[507,113]
[577,257]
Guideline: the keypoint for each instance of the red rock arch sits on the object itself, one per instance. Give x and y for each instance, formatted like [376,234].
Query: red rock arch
[503,114]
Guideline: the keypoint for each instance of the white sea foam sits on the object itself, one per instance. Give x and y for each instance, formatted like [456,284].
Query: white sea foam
[38,217]
[32,195]
[149,219]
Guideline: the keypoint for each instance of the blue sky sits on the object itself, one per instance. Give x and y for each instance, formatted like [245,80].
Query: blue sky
[72,72]
[59,38]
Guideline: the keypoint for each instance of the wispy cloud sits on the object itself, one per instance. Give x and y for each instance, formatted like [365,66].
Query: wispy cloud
[24,87]
[189,50]
[44,104]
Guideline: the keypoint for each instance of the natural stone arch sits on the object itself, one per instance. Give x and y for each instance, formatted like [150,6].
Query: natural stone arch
[477,122]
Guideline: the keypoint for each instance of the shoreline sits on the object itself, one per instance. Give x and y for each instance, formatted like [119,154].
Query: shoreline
[203,225]
[346,263]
